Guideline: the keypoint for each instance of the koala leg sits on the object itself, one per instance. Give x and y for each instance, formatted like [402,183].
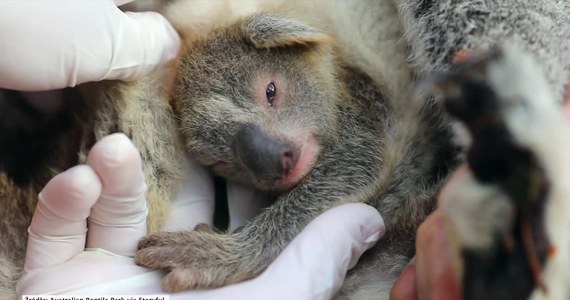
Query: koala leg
[508,216]
[437,30]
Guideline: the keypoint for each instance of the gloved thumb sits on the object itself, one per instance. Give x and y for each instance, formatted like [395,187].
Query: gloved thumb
[58,228]
[118,219]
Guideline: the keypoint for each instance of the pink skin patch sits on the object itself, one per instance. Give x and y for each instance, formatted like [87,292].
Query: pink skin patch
[461,56]
[308,155]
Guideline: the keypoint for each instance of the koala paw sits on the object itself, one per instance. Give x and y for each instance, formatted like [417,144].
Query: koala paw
[198,259]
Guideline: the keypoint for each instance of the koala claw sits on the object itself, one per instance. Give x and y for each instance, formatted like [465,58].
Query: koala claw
[182,279]
[198,259]
[203,227]
[162,239]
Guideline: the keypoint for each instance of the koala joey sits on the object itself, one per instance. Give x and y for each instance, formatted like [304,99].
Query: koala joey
[282,113]
[285,110]
[316,111]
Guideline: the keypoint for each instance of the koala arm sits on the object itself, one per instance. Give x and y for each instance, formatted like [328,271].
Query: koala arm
[237,257]
[437,30]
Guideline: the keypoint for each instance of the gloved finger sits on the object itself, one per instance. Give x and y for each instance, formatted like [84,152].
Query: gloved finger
[55,44]
[118,219]
[243,204]
[145,42]
[122,2]
[134,5]
[194,203]
[58,227]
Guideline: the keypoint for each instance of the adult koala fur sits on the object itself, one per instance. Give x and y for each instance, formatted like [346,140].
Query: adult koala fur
[351,65]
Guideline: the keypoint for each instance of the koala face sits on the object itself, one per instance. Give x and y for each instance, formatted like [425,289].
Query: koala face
[256,100]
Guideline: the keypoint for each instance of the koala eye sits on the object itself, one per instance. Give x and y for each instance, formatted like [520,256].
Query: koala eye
[270,92]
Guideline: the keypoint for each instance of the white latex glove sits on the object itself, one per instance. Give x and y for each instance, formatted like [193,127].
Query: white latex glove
[195,202]
[61,43]
[107,195]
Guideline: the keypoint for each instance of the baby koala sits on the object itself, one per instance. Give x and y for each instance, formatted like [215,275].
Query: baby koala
[318,119]
[271,102]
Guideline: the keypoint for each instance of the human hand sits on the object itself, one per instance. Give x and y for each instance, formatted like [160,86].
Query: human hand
[431,273]
[111,183]
[105,198]
[55,44]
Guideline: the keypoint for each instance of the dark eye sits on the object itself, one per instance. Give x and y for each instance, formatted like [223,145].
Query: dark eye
[270,92]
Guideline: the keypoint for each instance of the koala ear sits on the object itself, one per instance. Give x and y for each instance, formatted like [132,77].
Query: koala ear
[268,31]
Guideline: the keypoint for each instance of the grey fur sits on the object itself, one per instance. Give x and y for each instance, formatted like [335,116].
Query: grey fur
[436,30]
[393,181]
[380,152]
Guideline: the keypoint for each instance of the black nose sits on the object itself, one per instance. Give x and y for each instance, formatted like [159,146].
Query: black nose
[266,157]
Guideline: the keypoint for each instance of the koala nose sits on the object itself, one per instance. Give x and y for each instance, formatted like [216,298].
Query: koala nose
[266,157]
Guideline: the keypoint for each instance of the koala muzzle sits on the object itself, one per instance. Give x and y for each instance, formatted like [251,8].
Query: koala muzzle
[266,157]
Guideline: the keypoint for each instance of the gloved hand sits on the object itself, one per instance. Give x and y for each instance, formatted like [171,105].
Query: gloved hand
[107,196]
[61,43]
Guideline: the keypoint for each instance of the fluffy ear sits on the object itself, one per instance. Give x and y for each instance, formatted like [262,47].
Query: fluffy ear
[269,30]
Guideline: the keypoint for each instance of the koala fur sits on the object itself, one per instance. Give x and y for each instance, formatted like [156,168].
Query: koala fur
[404,179]
[348,143]
[351,65]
